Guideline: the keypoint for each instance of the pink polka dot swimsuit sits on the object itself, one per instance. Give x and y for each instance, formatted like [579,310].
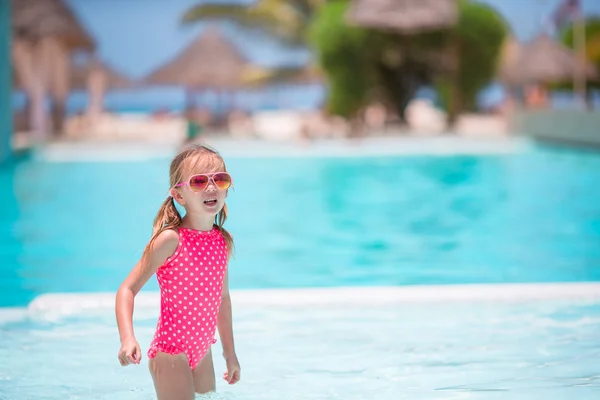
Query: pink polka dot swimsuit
[191,283]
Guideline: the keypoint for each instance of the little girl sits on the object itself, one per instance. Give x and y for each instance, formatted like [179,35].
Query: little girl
[189,256]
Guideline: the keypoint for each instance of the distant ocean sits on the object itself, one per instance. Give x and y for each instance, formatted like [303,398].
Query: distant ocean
[148,100]
[307,97]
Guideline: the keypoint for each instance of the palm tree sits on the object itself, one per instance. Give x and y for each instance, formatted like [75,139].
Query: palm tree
[285,19]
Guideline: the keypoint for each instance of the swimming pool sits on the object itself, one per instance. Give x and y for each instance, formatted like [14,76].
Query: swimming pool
[364,221]
[527,216]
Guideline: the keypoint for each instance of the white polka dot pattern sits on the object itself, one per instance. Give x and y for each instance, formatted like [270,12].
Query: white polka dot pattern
[191,283]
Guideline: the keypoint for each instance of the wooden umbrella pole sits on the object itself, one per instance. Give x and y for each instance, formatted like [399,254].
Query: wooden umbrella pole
[579,72]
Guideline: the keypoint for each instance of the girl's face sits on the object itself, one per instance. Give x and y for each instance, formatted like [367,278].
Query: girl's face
[202,194]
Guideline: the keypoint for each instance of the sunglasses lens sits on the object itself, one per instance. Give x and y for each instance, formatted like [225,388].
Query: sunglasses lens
[198,183]
[222,180]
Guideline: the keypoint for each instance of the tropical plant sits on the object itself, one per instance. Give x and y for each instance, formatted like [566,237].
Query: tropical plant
[459,61]
[478,37]
[592,51]
[286,19]
[342,53]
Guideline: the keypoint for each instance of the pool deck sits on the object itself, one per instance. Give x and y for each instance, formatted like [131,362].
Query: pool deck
[573,128]
[373,146]
[251,148]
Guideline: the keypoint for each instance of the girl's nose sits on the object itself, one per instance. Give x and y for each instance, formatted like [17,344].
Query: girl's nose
[211,187]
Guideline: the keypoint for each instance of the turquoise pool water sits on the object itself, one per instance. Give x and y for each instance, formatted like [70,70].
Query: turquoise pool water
[531,216]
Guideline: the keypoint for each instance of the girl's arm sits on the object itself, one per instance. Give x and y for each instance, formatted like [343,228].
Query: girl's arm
[224,324]
[163,247]
[224,320]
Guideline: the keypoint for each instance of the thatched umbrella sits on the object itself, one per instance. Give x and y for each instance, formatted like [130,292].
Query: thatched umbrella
[258,76]
[113,78]
[92,76]
[541,61]
[211,62]
[80,75]
[97,77]
[509,59]
[36,19]
[45,32]
[404,16]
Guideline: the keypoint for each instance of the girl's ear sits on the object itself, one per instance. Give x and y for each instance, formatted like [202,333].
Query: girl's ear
[177,196]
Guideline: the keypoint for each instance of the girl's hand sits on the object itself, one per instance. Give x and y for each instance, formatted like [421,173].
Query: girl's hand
[130,352]
[233,370]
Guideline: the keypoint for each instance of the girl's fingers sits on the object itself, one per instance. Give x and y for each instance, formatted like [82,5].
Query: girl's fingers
[138,354]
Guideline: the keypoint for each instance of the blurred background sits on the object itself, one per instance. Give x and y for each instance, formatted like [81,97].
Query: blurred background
[414,145]
[90,69]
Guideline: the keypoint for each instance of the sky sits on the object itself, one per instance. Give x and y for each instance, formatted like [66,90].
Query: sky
[137,36]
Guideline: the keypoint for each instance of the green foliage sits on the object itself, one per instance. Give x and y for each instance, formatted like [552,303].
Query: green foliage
[479,35]
[592,31]
[343,54]
[356,59]
[592,47]
[285,19]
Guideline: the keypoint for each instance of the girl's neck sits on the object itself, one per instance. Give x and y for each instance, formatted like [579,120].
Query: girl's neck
[197,223]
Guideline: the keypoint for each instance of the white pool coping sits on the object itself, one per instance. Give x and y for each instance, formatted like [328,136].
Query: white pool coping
[444,145]
[346,295]
[54,306]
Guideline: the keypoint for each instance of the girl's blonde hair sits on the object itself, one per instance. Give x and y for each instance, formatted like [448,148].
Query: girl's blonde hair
[194,157]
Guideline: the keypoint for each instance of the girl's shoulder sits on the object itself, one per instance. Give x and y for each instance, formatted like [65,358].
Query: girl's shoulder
[167,237]
[165,245]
